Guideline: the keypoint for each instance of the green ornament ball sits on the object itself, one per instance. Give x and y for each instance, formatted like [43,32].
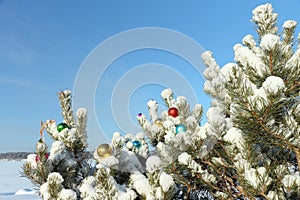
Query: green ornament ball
[61,126]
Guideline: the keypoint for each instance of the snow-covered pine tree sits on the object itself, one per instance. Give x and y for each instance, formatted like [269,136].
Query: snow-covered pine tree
[248,149]
[122,170]
[259,96]
[59,173]
[126,171]
[181,143]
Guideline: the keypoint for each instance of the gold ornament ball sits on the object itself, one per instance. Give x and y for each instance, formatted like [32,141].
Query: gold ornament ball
[158,122]
[104,150]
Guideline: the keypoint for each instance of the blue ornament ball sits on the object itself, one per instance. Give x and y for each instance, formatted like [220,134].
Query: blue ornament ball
[180,128]
[137,144]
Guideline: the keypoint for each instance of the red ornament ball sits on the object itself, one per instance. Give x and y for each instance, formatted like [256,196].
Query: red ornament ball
[173,112]
[37,159]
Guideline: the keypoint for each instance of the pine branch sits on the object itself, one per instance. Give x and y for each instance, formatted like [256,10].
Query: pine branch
[66,106]
[180,178]
[287,143]
[271,62]
[297,152]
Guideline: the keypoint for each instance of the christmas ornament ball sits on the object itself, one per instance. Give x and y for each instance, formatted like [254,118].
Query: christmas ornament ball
[173,112]
[62,126]
[180,128]
[104,150]
[137,144]
[37,159]
[40,146]
[158,122]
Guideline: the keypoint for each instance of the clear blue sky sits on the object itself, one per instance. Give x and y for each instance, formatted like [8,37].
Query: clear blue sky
[43,44]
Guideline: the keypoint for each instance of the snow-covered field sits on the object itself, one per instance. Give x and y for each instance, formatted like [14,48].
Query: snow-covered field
[12,185]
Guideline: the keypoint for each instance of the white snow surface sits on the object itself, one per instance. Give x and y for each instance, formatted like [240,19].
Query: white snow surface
[12,185]
[141,184]
[258,99]
[290,180]
[227,70]
[166,181]
[273,84]
[153,163]
[184,158]
[166,93]
[264,14]
[81,112]
[234,136]
[246,57]
[57,151]
[67,194]
[249,40]
[269,42]
[31,158]
[289,24]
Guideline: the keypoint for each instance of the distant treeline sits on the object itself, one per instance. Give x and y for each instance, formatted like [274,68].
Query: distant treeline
[14,155]
[21,155]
